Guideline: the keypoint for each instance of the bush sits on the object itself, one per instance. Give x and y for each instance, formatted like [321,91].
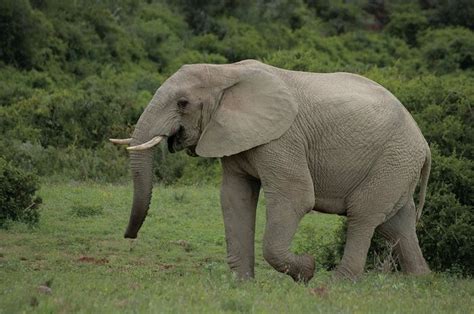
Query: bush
[407,25]
[449,49]
[106,163]
[446,229]
[240,41]
[183,169]
[340,16]
[445,12]
[25,37]
[327,250]
[17,195]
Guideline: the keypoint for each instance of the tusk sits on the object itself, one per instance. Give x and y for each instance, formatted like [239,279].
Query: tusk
[154,141]
[121,141]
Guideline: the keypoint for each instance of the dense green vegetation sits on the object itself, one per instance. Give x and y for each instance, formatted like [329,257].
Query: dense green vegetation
[74,73]
[81,264]
[17,195]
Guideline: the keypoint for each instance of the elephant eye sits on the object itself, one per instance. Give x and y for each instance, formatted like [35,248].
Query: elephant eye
[182,104]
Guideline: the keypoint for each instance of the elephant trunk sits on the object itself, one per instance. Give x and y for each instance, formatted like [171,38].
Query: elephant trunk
[141,166]
[152,123]
[141,162]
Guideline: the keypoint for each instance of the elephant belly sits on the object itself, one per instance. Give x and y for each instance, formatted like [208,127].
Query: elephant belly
[330,205]
[337,173]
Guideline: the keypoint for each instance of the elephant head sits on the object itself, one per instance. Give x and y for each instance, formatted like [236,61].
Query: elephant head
[212,111]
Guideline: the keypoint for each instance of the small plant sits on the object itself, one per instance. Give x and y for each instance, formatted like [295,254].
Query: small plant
[383,257]
[17,195]
[327,253]
[179,196]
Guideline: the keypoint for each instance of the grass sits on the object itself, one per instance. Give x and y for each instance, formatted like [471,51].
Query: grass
[76,260]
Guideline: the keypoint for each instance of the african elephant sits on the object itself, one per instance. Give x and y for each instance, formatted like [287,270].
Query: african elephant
[334,143]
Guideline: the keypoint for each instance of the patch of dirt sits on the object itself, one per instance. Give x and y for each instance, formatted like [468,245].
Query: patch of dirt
[138,262]
[183,243]
[321,291]
[122,303]
[38,265]
[34,302]
[165,266]
[93,260]
[44,289]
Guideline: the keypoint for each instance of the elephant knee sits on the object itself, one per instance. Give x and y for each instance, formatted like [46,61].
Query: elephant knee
[276,258]
[299,267]
[280,259]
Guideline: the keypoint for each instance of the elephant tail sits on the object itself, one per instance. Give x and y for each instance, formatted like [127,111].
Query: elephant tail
[425,174]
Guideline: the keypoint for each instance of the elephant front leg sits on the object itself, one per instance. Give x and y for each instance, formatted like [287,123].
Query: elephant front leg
[289,192]
[283,218]
[239,197]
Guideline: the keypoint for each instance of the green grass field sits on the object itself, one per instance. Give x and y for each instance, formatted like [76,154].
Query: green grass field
[178,263]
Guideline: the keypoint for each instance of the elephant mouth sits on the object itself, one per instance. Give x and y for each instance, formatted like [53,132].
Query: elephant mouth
[191,151]
[176,141]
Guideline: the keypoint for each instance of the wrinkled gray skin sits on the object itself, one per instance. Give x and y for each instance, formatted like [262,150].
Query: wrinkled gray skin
[334,143]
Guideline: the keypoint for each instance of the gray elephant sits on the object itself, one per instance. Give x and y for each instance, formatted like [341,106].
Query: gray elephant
[335,143]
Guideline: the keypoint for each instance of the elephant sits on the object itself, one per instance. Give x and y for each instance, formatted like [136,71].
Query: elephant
[334,143]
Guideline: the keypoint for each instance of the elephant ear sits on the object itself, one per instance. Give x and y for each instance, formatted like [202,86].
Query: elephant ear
[255,110]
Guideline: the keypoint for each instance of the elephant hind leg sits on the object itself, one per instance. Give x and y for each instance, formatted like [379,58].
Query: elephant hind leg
[367,210]
[368,207]
[375,202]
[358,237]
[401,231]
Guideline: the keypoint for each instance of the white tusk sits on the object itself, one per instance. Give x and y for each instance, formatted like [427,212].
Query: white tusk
[154,141]
[121,141]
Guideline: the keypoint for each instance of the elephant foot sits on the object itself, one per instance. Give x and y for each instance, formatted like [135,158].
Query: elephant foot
[420,269]
[342,273]
[247,276]
[303,270]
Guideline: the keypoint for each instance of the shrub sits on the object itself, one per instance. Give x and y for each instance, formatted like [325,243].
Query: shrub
[327,250]
[375,49]
[445,12]
[183,169]
[316,53]
[446,229]
[407,25]
[240,41]
[17,195]
[106,163]
[340,16]
[449,49]
[21,85]
[84,116]
[24,39]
